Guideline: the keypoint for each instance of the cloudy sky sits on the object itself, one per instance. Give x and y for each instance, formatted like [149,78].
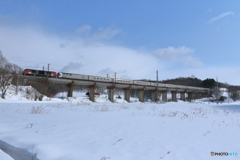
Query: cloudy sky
[133,38]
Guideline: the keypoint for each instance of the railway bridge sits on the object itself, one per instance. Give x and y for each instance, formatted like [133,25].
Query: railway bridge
[111,86]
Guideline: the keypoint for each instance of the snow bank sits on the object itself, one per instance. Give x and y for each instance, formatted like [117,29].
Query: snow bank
[22,93]
[4,156]
[15,153]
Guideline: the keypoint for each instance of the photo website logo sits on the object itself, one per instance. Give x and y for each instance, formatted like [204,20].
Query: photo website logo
[224,153]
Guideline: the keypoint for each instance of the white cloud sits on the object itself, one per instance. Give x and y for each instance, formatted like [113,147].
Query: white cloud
[172,52]
[101,33]
[84,29]
[209,10]
[106,33]
[189,61]
[71,67]
[89,36]
[106,71]
[221,16]
[179,55]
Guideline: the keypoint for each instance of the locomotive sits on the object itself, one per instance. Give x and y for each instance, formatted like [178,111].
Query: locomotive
[63,75]
[42,73]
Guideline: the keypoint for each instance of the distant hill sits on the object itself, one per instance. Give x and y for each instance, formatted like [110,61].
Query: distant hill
[195,82]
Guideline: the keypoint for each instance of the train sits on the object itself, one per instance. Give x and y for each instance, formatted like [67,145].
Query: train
[63,75]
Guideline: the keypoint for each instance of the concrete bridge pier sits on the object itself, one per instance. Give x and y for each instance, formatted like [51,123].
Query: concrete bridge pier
[92,93]
[141,95]
[164,96]
[111,94]
[127,94]
[182,96]
[174,96]
[197,95]
[153,96]
[190,96]
[70,89]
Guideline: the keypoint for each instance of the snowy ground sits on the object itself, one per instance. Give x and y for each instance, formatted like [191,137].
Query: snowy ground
[57,129]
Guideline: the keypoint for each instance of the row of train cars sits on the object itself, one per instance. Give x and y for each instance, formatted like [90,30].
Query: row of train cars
[63,75]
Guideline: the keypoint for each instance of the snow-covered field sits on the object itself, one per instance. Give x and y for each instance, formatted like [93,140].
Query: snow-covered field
[77,129]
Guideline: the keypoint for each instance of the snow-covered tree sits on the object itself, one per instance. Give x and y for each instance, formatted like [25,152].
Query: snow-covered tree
[5,75]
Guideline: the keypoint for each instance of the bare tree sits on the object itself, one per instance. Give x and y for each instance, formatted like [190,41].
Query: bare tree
[8,72]
[5,79]
[3,60]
